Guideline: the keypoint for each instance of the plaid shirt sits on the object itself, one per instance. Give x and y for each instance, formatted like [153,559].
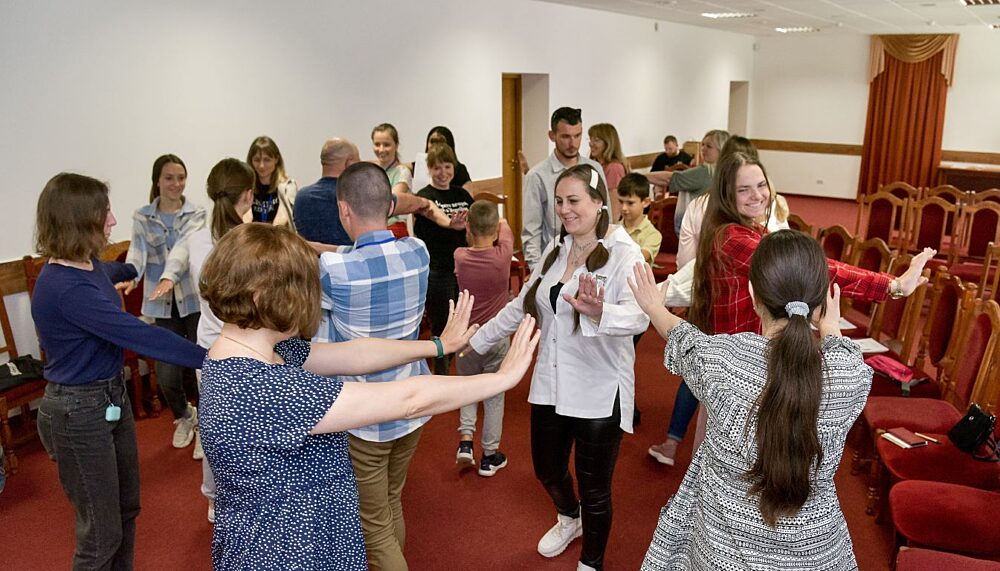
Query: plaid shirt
[376,288]
[732,308]
[148,253]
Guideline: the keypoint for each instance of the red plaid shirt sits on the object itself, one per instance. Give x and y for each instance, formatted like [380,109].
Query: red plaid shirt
[732,308]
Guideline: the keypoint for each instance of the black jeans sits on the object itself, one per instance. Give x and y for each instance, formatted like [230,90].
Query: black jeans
[98,464]
[169,376]
[441,288]
[597,441]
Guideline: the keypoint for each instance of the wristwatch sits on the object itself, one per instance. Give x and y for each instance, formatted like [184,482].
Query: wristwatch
[895,289]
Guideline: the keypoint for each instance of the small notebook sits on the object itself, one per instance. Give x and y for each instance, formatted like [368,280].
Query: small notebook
[904,438]
[843,324]
[869,345]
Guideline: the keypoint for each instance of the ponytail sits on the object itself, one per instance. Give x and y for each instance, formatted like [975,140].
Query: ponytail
[227,182]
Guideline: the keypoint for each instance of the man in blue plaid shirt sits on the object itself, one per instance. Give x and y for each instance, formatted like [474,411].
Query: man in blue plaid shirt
[376,288]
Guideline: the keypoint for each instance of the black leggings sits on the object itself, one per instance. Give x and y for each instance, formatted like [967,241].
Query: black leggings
[441,288]
[597,441]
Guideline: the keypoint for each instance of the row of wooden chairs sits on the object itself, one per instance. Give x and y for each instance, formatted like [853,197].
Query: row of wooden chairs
[948,192]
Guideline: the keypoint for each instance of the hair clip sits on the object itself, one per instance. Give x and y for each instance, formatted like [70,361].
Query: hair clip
[593,178]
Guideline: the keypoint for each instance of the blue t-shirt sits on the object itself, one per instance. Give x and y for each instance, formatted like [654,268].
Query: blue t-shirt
[168,221]
[82,327]
[286,499]
[316,215]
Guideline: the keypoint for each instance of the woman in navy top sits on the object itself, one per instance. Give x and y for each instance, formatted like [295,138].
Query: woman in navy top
[85,420]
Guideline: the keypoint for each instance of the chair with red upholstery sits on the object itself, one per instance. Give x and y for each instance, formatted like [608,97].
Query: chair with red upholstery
[952,194]
[979,226]
[795,222]
[902,190]
[661,215]
[917,559]
[15,393]
[872,255]
[882,215]
[947,517]
[948,295]
[931,224]
[990,195]
[836,241]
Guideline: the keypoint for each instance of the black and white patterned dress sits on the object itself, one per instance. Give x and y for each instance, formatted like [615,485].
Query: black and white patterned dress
[286,499]
[711,523]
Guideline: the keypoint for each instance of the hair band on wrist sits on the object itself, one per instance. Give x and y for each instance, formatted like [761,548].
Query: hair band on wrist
[439,345]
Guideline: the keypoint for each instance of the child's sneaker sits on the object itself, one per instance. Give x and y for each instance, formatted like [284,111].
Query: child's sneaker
[464,454]
[490,464]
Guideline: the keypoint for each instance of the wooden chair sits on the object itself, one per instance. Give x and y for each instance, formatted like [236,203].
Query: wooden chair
[979,226]
[931,224]
[990,195]
[882,215]
[661,215]
[795,222]
[518,268]
[15,394]
[836,241]
[901,190]
[989,282]
[949,193]
[872,255]
[951,302]
[896,321]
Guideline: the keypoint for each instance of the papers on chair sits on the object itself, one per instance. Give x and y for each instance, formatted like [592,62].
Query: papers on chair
[869,345]
[843,324]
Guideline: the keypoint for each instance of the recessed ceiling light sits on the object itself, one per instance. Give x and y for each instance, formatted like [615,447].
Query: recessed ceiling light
[796,30]
[729,15]
[995,26]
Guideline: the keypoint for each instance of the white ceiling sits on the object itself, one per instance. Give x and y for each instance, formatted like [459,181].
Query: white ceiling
[830,16]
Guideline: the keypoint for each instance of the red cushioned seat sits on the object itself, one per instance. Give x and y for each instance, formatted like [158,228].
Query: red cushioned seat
[939,463]
[948,517]
[919,414]
[664,264]
[970,272]
[916,559]
[883,386]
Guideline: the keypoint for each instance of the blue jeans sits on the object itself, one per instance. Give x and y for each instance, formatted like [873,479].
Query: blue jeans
[98,464]
[685,404]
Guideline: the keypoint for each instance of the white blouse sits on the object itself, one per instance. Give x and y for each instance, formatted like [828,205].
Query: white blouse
[580,372]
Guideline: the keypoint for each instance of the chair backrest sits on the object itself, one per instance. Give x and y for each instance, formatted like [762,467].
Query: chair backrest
[32,268]
[948,192]
[882,215]
[943,326]
[872,255]
[901,189]
[931,221]
[979,226]
[661,215]
[898,319]
[989,283]
[9,346]
[975,377]
[990,195]
[836,241]
[499,199]
[795,222]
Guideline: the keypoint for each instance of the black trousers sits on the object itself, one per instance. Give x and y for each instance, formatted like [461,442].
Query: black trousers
[596,442]
[441,288]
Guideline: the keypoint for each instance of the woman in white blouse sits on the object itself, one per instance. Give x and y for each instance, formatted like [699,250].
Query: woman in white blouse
[583,388]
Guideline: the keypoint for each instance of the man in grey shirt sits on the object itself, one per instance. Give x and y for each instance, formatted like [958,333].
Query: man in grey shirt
[538,212]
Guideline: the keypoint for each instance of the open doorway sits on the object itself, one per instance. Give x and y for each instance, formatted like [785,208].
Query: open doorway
[525,128]
[739,97]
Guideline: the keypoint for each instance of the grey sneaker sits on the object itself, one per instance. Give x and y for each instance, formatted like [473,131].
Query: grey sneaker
[562,533]
[199,452]
[184,431]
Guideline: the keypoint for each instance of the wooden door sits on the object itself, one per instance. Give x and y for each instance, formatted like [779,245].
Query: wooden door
[511,171]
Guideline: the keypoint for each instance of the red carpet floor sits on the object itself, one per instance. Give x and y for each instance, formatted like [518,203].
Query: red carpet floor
[455,518]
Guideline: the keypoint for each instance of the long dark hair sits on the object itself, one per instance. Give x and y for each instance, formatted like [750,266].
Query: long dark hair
[720,212]
[227,182]
[158,165]
[598,257]
[788,266]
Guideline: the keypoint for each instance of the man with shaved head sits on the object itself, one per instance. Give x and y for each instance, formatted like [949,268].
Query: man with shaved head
[316,217]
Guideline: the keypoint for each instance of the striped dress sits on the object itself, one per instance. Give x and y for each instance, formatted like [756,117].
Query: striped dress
[711,523]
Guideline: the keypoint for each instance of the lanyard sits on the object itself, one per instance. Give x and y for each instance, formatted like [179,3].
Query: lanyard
[386,241]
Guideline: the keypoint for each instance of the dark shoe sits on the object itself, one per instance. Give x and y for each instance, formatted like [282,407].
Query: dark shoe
[464,454]
[490,464]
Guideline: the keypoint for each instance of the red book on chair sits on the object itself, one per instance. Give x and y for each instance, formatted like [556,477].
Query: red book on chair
[906,436]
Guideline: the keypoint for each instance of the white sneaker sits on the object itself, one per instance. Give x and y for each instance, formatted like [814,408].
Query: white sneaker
[199,452]
[581,566]
[184,433]
[562,533]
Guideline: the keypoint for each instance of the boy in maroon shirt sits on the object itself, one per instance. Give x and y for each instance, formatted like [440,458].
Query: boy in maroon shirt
[483,268]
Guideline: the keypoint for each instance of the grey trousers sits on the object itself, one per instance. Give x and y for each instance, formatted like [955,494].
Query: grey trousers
[472,363]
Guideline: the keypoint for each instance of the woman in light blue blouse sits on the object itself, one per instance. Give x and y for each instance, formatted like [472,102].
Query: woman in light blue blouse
[170,296]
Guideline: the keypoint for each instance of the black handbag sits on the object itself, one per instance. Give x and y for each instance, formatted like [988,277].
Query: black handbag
[974,430]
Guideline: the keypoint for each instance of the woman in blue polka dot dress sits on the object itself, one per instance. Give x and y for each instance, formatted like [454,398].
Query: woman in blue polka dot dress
[272,423]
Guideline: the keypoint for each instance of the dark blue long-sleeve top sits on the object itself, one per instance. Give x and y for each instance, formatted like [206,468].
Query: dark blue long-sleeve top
[82,327]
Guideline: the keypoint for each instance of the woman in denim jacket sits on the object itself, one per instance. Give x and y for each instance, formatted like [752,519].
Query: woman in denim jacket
[169,295]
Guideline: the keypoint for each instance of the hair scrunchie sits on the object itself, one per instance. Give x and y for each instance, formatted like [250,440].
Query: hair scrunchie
[797,308]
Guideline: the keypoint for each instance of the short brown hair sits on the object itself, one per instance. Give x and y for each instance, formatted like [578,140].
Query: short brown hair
[72,211]
[634,184]
[263,276]
[441,154]
[483,218]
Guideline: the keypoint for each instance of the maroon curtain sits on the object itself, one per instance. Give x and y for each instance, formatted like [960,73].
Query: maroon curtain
[905,124]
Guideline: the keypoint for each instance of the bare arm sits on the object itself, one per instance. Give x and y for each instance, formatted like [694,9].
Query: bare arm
[651,298]
[660,178]
[361,404]
[368,355]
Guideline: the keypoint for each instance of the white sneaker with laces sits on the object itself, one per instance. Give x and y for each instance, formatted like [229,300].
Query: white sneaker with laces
[581,566]
[562,533]
[199,452]
[184,431]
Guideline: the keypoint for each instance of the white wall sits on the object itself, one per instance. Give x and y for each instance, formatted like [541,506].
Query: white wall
[814,88]
[104,87]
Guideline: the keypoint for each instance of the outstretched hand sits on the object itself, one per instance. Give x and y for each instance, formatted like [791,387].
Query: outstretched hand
[589,298]
[162,289]
[522,347]
[648,295]
[912,278]
[457,331]
[458,220]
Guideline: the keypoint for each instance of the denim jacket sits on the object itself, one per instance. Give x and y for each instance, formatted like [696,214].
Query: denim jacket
[148,253]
